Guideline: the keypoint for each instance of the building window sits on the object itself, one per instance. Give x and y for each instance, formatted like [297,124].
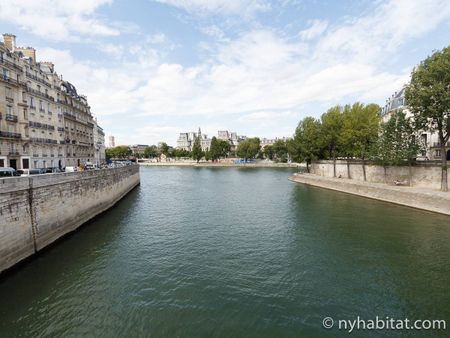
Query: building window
[9,94]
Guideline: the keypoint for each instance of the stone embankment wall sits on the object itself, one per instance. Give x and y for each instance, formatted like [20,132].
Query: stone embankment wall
[435,201]
[425,175]
[37,210]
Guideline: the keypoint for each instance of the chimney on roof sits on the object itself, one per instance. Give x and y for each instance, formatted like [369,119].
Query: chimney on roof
[30,52]
[10,41]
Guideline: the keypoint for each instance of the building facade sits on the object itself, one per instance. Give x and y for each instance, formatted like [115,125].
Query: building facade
[111,141]
[44,122]
[186,140]
[99,144]
[138,149]
[430,141]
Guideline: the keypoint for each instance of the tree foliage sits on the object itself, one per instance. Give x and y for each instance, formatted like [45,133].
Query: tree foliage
[249,148]
[280,151]
[119,152]
[197,153]
[428,97]
[399,142]
[360,129]
[219,148]
[163,149]
[306,145]
[151,152]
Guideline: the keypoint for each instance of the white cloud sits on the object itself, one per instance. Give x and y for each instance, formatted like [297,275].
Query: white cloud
[57,20]
[202,7]
[382,32]
[317,27]
[262,79]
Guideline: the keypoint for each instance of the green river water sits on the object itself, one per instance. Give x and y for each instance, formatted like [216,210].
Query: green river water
[233,252]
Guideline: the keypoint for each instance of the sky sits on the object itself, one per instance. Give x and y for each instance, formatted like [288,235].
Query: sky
[154,68]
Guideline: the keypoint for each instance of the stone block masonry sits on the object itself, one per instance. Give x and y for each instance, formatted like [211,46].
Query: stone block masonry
[37,210]
[419,198]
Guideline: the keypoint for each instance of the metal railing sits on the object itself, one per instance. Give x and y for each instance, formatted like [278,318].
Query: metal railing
[9,134]
[34,77]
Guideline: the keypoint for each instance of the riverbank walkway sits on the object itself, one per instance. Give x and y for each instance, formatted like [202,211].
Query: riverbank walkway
[419,198]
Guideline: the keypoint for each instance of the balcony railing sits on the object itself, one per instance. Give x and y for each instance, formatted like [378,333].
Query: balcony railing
[9,134]
[11,118]
[14,153]
[43,140]
[34,77]
[8,79]
[41,94]
[11,64]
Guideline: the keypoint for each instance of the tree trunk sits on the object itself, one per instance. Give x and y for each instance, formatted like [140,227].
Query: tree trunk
[385,174]
[348,168]
[444,180]
[307,166]
[364,169]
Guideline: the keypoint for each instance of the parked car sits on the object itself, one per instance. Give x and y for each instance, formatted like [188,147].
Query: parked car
[28,172]
[8,172]
[42,170]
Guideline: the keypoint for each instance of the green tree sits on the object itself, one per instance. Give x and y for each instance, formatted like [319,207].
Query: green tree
[399,142]
[151,152]
[360,131]
[306,144]
[249,148]
[163,149]
[181,153]
[219,148]
[280,150]
[332,125]
[269,152]
[428,97]
[119,152]
[197,152]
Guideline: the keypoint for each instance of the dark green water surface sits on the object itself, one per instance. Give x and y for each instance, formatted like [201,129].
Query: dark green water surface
[233,252]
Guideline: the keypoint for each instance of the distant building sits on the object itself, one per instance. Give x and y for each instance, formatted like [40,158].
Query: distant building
[186,140]
[99,144]
[268,142]
[430,140]
[111,142]
[232,138]
[138,149]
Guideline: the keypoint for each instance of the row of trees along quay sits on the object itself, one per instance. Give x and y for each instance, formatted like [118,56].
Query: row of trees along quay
[352,132]
[355,131]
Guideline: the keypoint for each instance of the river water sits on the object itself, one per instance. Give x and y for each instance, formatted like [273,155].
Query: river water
[233,252]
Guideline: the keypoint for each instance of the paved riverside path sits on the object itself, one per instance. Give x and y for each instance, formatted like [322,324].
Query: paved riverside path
[420,198]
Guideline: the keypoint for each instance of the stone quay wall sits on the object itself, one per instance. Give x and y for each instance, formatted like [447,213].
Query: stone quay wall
[419,198]
[424,175]
[37,210]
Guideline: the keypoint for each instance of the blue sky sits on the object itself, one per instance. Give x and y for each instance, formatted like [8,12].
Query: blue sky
[154,68]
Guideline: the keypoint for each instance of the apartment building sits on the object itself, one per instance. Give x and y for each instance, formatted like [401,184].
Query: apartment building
[431,141]
[44,122]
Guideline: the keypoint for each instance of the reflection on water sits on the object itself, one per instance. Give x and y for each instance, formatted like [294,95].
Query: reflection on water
[232,252]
